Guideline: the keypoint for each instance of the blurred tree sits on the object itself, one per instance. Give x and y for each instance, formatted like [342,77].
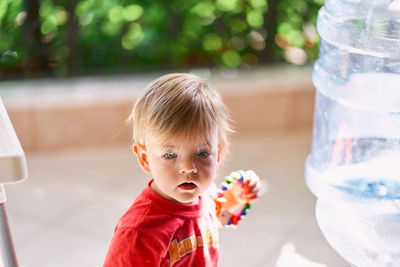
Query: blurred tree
[67,37]
[65,13]
[37,53]
[270,20]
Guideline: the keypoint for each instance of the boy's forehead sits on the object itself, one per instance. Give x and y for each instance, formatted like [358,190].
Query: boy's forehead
[182,140]
[189,141]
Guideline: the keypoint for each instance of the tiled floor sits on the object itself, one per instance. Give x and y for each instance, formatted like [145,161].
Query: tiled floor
[63,215]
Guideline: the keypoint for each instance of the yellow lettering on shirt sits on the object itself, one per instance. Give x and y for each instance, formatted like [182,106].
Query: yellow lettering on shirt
[173,251]
[200,241]
[178,249]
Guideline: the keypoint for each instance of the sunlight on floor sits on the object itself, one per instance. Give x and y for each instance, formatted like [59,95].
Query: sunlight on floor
[288,257]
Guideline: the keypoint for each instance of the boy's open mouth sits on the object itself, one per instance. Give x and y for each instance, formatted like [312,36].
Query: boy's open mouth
[187,186]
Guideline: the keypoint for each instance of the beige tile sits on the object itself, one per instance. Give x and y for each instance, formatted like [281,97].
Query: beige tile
[85,126]
[23,121]
[259,112]
[257,106]
[301,109]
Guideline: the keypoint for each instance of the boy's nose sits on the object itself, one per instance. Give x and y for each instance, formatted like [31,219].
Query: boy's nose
[188,166]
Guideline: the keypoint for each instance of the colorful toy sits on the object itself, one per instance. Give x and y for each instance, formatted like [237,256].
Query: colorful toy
[231,191]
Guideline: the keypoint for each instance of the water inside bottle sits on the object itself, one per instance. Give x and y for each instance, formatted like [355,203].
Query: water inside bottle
[374,183]
[359,210]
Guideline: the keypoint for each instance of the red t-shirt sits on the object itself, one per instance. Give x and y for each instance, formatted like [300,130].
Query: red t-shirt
[158,232]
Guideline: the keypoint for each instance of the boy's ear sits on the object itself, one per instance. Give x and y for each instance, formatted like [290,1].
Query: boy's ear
[141,153]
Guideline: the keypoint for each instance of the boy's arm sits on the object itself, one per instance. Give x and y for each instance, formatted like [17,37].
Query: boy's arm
[130,248]
[222,214]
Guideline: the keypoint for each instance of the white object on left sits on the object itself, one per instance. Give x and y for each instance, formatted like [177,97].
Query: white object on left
[12,157]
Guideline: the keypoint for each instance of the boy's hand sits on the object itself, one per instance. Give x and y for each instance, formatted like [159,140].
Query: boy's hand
[231,204]
[238,194]
[251,186]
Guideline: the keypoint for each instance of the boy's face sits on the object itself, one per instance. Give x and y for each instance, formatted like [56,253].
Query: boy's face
[182,169]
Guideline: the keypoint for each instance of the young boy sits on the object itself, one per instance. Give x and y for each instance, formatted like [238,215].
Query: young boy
[180,129]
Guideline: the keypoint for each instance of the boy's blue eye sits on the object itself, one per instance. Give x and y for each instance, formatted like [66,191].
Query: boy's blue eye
[170,156]
[203,154]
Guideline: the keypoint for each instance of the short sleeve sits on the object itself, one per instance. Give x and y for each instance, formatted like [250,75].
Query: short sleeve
[131,248]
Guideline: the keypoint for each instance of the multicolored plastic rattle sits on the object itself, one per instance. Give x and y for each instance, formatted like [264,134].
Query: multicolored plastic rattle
[235,178]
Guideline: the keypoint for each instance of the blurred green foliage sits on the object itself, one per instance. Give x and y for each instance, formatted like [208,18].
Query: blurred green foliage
[85,36]
[11,19]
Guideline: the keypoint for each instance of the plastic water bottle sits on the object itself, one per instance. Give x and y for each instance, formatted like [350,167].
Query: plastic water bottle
[354,165]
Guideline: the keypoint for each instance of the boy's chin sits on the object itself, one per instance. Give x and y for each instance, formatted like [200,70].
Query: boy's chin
[188,200]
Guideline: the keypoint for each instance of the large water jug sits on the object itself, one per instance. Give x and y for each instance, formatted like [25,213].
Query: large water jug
[354,165]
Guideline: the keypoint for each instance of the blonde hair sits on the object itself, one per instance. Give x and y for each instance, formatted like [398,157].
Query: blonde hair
[179,103]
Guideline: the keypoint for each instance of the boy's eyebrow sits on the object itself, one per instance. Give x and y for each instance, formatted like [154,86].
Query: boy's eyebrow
[205,145]
[168,146]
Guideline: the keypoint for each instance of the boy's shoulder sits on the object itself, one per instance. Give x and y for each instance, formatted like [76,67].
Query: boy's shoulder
[144,218]
[145,215]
